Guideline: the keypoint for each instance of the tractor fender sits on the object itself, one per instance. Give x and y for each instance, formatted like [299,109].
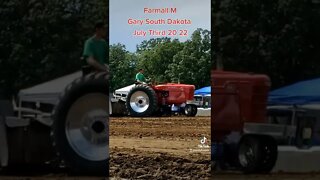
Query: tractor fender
[259,136]
[4,155]
[276,131]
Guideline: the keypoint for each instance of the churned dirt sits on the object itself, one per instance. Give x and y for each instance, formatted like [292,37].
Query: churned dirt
[167,148]
[239,176]
[159,148]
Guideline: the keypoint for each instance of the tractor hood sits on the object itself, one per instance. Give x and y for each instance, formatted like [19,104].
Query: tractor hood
[177,92]
[48,92]
[124,90]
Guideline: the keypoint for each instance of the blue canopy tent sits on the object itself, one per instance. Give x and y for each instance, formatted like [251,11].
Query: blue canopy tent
[303,96]
[203,91]
[203,97]
[301,93]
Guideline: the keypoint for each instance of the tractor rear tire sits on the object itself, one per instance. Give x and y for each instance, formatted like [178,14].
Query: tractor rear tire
[190,110]
[80,128]
[250,154]
[270,154]
[141,101]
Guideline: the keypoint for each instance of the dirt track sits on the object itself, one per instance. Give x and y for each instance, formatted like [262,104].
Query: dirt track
[267,177]
[159,148]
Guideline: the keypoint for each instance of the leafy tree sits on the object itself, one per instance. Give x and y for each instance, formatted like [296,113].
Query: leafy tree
[192,65]
[122,65]
[164,60]
[157,59]
[41,40]
[276,37]
[151,43]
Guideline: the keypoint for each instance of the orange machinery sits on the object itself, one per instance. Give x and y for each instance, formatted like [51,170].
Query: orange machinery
[240,133]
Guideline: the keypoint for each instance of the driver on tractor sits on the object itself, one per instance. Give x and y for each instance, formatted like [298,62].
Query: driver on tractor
[140,79]
[95,51]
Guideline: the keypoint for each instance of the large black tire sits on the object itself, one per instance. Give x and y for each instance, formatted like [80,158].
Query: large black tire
[190,110]
[141,101]
[250,154]
[264,153]
[80,130]
[269,154]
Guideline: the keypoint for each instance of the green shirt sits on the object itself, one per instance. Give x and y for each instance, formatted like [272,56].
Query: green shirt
[140,77]
[97,48]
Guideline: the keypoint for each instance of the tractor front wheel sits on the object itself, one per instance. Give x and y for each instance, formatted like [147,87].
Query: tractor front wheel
[269,153]
[190,110]
[257,154]
[250,154]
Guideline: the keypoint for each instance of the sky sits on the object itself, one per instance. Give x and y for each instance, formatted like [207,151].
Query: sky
[198,11]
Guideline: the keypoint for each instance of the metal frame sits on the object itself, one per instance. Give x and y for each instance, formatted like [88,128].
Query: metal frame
[278,132]
[44,118]
[4,154]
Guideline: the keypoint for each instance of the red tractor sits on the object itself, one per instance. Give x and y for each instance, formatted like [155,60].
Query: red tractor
[148,100]
[241,135]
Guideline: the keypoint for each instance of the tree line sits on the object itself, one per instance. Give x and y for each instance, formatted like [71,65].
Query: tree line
[164,60]
[43,39]
[279,38]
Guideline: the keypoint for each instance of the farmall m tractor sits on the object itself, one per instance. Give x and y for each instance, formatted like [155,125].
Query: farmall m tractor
[241,136]
[162,99]
[156,100]
[72,132]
